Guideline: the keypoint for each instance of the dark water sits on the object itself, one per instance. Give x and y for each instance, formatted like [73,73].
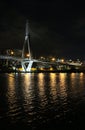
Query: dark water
[42,101]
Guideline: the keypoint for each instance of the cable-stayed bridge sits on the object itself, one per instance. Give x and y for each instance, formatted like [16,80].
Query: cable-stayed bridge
[27,63]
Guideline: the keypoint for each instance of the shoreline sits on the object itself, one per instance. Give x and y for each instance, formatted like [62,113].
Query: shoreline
[44,71]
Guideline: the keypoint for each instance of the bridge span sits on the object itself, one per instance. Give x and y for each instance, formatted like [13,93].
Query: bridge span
[27,63]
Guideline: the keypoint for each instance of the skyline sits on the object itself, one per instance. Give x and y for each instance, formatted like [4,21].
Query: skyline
[56,28]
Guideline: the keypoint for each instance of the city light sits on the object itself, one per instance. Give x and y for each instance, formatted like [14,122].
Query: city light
[27,55]
[12,52]
[53,59]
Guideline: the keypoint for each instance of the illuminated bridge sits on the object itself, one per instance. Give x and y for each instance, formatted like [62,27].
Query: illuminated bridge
[27,63]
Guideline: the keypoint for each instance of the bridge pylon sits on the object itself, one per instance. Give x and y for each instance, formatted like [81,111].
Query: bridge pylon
[26,45]
[26,62]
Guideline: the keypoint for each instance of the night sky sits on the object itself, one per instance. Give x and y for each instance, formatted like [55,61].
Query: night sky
[57,28]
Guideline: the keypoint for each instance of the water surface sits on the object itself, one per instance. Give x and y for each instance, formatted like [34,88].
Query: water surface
[42,100]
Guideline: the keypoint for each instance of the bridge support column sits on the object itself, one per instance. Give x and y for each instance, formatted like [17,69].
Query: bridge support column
[26,66]
[29,66]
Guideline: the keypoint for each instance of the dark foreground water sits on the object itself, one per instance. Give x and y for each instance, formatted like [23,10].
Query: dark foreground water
[42,101]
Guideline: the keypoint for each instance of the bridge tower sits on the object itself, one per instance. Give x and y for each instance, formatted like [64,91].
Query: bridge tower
[26,62]
[26,42]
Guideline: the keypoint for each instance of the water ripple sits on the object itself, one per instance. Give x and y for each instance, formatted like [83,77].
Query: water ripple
[38,99]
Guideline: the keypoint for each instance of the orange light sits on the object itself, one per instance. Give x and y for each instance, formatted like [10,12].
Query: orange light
[53,59]
[12,52]
[27,55]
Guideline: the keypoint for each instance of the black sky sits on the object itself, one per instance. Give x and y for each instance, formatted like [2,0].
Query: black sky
[56,27]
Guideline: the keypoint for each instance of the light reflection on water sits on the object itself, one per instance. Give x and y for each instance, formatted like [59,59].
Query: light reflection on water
[41,87]
[53,85]
[37,98]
